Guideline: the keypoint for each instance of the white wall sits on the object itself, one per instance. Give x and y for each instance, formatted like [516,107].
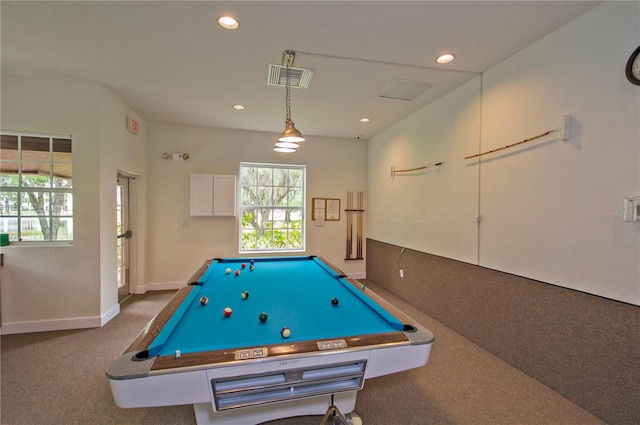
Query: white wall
[121,150]
[47,287]
[178,243]
[434,209]
[550,210]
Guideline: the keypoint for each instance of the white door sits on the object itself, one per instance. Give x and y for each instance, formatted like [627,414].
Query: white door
[124,233]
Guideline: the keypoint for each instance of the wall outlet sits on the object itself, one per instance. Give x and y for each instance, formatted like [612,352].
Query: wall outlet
[401,272]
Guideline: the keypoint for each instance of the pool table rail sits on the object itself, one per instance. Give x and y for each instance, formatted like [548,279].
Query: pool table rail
[144,362]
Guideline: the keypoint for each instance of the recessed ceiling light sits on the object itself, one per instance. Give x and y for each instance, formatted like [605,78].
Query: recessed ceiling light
[445,58]
[228,22]
[238,107]
[365,119]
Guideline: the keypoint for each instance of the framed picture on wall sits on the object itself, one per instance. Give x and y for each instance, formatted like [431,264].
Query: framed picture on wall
[325,209]
[333,210]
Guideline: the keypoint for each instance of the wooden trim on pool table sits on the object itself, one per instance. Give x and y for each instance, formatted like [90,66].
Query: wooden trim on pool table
[302,347]
[200,272]
[151,331]
[391,309]
[332,267]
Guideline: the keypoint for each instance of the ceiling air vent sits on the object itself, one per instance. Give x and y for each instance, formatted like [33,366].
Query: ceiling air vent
[300,77]
[404,89]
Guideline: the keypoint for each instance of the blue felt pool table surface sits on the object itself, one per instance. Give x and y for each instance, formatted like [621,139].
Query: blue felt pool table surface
[295,292]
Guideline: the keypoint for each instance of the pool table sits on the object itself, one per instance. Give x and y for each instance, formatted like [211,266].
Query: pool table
[241,367]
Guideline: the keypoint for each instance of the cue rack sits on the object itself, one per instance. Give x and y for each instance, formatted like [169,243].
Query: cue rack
[355,216]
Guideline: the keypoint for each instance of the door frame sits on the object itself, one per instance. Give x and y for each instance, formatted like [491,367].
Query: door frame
[133,241]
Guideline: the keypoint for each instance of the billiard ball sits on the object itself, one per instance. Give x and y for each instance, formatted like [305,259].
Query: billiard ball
[263,317]
[227,311]
[334,302]
[228,270]
[251,262]
[285,332]
[251,267]
[204,300]
[243,265]
[237,272]
[244,295]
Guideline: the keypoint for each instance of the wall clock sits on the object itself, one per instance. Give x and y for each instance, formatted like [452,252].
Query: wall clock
[632,70]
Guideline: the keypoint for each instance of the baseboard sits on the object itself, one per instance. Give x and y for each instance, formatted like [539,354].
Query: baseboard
[158,286]
[110,314]
[50,325]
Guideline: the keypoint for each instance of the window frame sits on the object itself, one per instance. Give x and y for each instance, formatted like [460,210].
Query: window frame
[49,190]
[301,209]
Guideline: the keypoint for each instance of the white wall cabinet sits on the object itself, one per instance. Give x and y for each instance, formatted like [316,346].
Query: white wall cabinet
[212,194]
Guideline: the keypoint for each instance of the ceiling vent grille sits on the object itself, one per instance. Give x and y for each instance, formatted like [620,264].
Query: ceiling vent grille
[404,89]
[300,77]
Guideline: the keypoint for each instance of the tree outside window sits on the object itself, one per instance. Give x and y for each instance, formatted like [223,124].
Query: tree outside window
[36,199]
[273,200]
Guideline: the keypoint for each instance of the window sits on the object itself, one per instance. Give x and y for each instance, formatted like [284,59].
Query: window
[272,209]
[36,199]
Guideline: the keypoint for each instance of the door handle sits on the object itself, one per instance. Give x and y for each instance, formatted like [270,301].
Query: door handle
[126,234]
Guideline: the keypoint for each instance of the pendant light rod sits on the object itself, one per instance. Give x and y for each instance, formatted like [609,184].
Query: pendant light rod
[291,133]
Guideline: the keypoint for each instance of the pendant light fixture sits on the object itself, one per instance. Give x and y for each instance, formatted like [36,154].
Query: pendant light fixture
[291,135]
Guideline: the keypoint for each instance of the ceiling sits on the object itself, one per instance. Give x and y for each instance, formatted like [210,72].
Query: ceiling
[171,63]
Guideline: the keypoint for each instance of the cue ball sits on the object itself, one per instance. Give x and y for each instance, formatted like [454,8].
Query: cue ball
[285,332]
[237,272]
[334,302]
[204,300]
[263,317]
[244,295]
[243,265]
[228,270]
[227,312]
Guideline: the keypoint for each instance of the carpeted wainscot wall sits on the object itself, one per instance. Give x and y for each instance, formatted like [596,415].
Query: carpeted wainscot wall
[585,347]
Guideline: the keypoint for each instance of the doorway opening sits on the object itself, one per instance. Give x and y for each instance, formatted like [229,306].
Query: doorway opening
[124,234]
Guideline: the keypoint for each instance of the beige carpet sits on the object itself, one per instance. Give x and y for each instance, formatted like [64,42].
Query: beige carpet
[59,378]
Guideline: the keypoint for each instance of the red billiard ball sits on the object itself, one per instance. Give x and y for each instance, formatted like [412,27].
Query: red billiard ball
[243,265]
[227,312]
[204,300]
[237,272]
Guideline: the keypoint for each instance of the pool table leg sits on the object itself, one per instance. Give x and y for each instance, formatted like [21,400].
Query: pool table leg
[353,419]
[350,418]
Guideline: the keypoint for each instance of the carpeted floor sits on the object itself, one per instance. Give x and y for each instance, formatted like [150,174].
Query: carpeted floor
[59,377]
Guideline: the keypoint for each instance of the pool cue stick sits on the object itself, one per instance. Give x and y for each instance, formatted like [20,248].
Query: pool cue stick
[358,230]
[350,224]
[348,253]
[360,222]
[358,241]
